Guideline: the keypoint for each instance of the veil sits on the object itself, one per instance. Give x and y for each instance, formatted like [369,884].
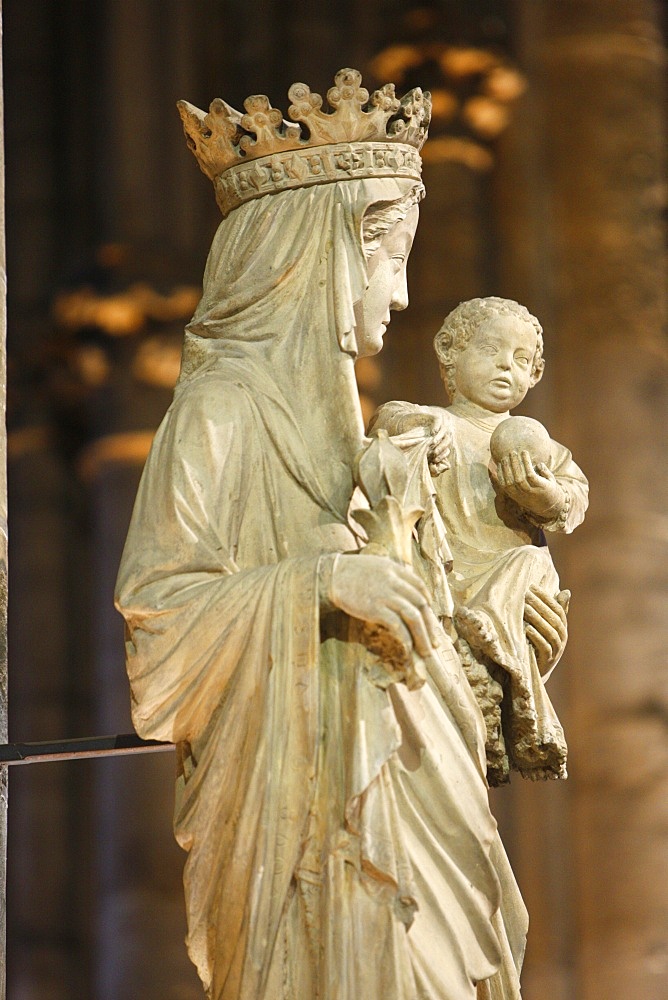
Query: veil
[280,284]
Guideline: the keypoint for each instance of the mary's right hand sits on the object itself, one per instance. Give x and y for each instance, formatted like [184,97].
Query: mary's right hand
[377,589]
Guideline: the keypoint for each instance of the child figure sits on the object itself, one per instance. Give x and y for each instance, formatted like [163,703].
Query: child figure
[495,512]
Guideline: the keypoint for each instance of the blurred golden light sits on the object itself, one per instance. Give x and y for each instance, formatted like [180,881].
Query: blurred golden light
[486,117]
[443,105]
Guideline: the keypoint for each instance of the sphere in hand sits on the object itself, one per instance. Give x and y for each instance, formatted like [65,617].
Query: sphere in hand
[520,434]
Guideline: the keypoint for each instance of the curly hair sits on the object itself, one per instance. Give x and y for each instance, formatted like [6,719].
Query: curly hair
[460,325]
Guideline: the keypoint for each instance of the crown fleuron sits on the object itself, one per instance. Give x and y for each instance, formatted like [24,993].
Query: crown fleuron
[257,153]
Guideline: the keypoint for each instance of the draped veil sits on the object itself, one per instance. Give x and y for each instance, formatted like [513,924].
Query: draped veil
[280,284]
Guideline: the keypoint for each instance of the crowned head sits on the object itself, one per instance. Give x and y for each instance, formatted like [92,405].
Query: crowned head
[258,152]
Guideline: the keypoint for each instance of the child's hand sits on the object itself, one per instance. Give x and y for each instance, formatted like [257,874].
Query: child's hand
[400,418]
[439,452]
[534,490]
[437,426]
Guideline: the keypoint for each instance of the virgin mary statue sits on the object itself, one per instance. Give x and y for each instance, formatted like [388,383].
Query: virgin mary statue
[340,843]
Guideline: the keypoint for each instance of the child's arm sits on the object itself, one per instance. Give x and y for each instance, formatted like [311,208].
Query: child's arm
[398,417]
[574,483]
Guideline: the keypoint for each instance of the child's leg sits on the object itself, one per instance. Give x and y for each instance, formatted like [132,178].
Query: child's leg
[492,624]
[491,619]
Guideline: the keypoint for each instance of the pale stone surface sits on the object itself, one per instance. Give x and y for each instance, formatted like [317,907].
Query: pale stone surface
[491,353]
[520,434]
[332,800]
[603,70]
[594,127]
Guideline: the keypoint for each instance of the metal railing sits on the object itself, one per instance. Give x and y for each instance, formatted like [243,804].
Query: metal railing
[89,746]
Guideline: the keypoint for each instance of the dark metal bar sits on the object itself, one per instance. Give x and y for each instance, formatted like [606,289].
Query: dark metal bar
[90,746]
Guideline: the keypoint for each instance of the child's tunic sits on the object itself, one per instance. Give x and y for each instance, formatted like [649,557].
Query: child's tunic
[498,553]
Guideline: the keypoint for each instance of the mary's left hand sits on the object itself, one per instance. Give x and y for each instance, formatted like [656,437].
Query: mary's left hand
[546,625]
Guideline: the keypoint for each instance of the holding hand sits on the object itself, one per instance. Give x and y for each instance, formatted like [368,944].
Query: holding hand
[376,589]
[535,490]
[436,426]
[441,444]
[546,626]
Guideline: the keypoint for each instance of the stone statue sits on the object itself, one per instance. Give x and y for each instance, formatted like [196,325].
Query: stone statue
[500,482]
[331,789]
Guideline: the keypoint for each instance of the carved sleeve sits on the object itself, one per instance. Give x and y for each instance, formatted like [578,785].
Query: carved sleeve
[576,492]
[195,610]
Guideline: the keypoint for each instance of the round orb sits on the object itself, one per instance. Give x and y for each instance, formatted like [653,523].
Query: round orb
[520,434]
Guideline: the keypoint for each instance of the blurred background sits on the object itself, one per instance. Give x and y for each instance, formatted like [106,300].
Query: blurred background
[545,174]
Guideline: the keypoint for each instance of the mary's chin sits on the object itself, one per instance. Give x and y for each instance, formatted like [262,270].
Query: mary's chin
[370,343]
[370,346]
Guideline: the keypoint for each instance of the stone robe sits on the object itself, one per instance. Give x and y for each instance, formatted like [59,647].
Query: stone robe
[340,843]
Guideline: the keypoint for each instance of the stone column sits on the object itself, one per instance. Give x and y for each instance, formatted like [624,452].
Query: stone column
[535,818]
[597,68]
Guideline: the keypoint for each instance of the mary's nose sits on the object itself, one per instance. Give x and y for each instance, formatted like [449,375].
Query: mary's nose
[400,292]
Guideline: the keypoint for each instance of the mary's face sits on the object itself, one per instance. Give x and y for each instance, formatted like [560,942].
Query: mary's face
[387,287]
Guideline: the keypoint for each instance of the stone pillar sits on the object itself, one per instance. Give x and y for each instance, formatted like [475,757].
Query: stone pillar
[535,818]
[597,69]
[46,819]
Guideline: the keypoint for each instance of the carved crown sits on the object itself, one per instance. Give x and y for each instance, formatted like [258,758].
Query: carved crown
[257,153]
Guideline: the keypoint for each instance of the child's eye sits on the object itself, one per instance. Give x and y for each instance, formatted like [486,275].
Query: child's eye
[522,361]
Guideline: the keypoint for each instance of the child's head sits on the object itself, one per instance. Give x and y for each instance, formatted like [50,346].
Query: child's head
[480,318]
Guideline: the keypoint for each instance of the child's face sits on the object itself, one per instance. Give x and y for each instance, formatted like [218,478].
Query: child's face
[494,369]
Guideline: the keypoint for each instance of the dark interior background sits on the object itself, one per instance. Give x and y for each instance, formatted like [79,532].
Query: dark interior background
[545,174]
